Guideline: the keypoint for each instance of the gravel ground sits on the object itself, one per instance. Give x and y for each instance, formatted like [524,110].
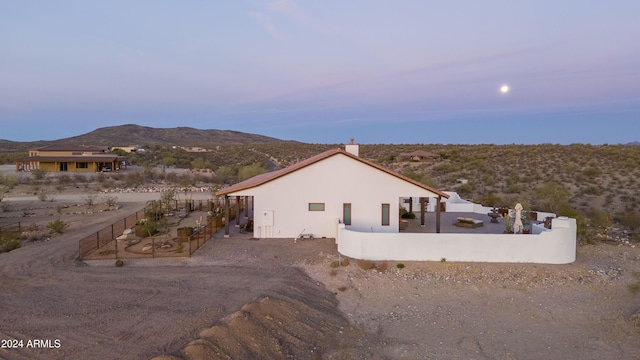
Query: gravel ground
[271,298]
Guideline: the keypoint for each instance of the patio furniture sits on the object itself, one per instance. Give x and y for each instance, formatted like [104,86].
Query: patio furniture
[404,224]
[494,215]
[468,223]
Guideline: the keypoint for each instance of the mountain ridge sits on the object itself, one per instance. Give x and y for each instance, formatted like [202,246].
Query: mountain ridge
[132,134]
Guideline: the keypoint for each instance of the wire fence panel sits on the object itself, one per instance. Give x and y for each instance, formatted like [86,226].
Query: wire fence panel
[11,228]
[113,241]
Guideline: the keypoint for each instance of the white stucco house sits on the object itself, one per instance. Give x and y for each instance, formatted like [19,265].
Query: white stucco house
[331,188]
[337,194]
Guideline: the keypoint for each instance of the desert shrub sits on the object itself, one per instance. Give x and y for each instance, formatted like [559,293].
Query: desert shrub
[490,199]
[634,288]
[630,219]
[365,264]
[408,215]
[464,189]
[443,259]
[33,233]
[592,190]
[57,226]
[400,265]
[90,199]
[551,196]
[9,241]
[383,266]
[147,227]
[110,200]
[338,263]
[333,272]
[43,196]
[8,181]
[38,174]
[591,172]
[64,178]
[80,178]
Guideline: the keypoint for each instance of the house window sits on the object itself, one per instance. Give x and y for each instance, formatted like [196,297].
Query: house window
[385,214]
[346,213]
[316,206]
[82,165]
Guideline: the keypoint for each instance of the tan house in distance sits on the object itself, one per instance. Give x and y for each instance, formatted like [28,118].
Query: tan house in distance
[71,158]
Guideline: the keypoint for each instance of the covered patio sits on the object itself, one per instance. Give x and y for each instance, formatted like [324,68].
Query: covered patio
[447,220]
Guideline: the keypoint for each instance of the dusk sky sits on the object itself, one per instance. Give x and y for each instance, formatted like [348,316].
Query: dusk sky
[325,71]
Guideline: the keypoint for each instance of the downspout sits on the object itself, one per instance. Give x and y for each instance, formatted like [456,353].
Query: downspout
[438,214]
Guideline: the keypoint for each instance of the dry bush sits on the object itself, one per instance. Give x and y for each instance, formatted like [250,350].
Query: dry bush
[365,264]
[382,267]
[333,272]
[110,200]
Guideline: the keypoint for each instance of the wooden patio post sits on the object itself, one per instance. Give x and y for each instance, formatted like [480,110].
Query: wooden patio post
[410,204]
[246,207]
[227,216]
[421,212]
[238,211]
[438,214]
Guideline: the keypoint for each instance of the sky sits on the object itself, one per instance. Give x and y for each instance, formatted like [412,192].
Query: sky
[326,71]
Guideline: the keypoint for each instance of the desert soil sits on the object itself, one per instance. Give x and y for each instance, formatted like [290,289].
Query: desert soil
[241,298]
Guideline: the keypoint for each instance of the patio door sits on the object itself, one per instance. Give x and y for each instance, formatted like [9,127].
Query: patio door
[64,166]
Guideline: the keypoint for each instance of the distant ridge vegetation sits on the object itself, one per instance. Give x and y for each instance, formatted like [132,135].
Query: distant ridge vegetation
[131,134]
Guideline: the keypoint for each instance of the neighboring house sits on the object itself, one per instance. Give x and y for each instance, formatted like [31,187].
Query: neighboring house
[71,158]
[336,186]
[421,155]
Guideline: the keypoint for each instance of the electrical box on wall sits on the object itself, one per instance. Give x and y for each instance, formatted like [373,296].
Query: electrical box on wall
[267,217]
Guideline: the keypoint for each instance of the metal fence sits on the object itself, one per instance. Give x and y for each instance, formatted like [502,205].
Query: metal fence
[11,228]
[104,244]
[107,235]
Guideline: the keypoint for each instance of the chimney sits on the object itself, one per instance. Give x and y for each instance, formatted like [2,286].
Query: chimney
[352,148]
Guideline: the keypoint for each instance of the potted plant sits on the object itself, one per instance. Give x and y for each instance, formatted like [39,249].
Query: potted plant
[508,224]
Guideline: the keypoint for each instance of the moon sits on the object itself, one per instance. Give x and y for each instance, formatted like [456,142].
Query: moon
[504,89]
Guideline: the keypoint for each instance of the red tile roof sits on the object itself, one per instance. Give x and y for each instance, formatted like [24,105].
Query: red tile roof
[266,177]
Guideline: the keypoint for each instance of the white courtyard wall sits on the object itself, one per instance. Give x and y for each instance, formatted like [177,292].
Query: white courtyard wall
[549,246]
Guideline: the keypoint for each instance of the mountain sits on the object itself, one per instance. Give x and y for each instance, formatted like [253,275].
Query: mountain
[131,134]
